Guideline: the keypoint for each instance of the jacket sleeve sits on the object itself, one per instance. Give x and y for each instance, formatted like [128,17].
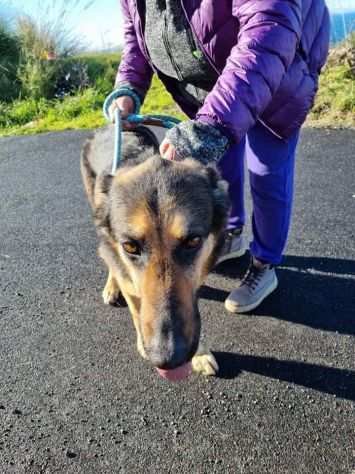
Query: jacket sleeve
[267,41]
[134,70]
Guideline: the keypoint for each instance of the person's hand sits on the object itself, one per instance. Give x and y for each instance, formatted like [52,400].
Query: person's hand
[126,106]
[194,139]
[167,150]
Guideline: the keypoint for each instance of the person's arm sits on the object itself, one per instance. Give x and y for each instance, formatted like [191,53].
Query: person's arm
[134,70]
[268,37]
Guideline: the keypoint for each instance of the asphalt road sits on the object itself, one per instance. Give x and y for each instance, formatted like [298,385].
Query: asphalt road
[76,398]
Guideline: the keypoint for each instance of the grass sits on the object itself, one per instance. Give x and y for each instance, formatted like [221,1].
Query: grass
[334,107]
[83,110]
[159,101]
[335,102]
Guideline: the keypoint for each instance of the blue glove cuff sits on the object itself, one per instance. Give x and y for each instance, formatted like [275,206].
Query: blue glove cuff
[120,92]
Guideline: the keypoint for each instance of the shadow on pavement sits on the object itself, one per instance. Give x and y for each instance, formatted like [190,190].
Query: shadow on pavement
[313,291]
[339,382]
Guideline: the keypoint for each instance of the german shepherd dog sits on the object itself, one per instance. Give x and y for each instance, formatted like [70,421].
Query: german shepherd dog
[160,227]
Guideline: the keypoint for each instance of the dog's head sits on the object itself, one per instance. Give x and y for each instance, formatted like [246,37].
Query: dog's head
[163,222]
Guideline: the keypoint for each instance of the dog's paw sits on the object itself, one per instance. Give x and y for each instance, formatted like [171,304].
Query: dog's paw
[205,364]
[111,292]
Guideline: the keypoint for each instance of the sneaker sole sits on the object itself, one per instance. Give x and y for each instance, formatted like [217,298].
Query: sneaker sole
[233,308]
[231,255]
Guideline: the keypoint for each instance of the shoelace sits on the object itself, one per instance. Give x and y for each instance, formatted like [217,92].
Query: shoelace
[253,276]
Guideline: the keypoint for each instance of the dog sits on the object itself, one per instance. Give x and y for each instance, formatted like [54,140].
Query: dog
[160,227]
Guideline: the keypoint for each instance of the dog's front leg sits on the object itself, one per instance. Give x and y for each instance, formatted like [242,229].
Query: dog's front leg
[111,292]
[204,362]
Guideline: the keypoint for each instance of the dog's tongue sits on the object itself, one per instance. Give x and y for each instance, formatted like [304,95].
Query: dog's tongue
[175,375]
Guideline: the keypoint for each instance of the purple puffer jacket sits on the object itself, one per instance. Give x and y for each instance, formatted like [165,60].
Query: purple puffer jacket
[268,54]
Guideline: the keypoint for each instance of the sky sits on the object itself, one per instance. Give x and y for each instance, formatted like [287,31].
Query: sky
[100,25]
[341,5]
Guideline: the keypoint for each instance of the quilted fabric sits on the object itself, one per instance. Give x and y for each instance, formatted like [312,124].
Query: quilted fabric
[268,55]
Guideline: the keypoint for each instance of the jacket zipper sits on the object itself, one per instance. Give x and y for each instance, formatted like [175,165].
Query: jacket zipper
[270,129]
[168,50]
[198,40]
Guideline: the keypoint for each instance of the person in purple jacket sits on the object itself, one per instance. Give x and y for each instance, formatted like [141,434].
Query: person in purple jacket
[245,72]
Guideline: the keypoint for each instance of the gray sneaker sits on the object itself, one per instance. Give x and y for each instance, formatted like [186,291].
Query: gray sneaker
[259,281]
[234,245]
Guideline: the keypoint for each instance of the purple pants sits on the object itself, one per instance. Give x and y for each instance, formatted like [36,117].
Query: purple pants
[270,164]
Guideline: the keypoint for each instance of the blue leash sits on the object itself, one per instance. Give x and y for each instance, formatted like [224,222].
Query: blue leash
[164,121]
[118,142]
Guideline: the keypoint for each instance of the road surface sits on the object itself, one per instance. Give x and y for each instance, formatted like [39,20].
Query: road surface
[75,397]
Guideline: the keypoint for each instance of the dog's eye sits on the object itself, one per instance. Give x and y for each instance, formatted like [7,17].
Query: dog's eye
[192,242]
[131,248]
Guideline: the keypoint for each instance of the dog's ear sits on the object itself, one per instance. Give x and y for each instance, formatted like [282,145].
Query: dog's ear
[221,201]
[102,204]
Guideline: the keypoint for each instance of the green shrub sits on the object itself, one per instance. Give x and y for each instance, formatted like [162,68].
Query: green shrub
[102,68]
[72,77]
[21,112]
[37,78]
[45,38]
[36,73]
[9,58]
[351,53]
[4,108]
[344,55]
[335,101]
[104,85]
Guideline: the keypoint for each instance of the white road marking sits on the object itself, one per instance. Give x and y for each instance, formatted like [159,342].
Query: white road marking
[312,271]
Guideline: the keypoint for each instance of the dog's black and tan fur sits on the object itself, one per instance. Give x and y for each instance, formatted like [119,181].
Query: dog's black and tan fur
[160,225]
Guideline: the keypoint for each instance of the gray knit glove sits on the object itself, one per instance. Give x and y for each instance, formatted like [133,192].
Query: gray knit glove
[201,141]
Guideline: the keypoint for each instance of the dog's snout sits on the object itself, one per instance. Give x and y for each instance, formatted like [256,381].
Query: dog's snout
[170,323]
[168,350]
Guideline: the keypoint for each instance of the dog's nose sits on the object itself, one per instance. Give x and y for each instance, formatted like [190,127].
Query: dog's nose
[170,340]
[168,353]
